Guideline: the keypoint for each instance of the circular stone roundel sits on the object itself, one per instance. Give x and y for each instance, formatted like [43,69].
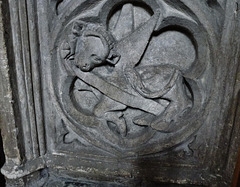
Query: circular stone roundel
[128,77]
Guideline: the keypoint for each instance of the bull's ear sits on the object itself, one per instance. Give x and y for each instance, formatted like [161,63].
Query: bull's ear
[78,27]
[113,57]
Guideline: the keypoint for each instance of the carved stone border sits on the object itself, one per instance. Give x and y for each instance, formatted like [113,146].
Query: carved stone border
[23,127]
[23,85]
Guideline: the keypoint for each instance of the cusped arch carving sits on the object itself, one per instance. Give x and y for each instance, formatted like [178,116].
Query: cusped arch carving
[114,93]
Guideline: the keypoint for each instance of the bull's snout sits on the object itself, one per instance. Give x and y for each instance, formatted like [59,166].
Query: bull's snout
[85,67]
[83,63]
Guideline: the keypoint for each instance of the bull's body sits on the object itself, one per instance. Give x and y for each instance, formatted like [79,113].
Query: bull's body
[123,86]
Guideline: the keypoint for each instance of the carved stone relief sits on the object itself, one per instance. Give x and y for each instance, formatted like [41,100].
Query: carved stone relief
[131,77]
[122,92]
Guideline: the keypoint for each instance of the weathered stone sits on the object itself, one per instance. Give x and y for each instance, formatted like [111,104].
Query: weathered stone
[120,93]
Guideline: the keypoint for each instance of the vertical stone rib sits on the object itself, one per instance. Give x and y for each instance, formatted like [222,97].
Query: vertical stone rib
[28,77]
[20,78]
[36,68]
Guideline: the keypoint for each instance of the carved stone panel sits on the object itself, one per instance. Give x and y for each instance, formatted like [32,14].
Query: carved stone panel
[122,92]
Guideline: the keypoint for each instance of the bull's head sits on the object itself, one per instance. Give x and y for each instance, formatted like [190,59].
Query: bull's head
[92,48]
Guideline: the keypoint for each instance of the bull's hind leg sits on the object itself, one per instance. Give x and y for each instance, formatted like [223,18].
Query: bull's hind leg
[180,102]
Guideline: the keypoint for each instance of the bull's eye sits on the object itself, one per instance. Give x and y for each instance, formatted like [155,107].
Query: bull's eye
[96,59]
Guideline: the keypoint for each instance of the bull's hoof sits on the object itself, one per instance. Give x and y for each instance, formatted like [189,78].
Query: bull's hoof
[160,125]
[144,119]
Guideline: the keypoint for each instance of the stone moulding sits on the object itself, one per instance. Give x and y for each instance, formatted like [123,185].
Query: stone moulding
[118,92]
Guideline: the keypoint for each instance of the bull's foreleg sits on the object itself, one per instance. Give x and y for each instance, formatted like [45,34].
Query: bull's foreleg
[110,110]
[118,119]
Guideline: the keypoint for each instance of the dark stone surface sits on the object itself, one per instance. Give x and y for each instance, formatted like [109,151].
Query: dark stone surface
[2,161]
[119,93]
